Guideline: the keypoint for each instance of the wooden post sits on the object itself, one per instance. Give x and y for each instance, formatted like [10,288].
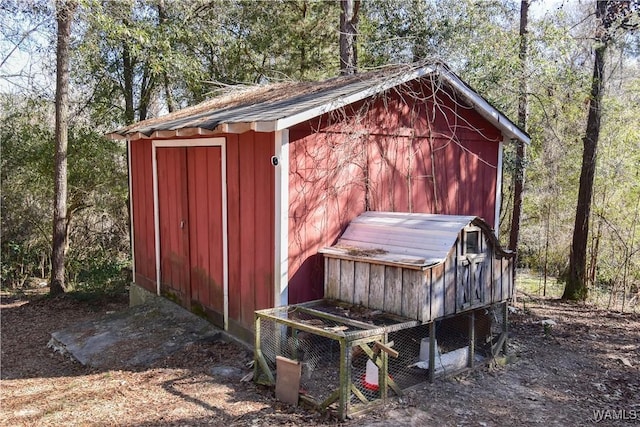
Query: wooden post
[432,351]
[505,326]
[295,342]
[256,345]
[383,372]
[472,338]
[259,361]
[345,380]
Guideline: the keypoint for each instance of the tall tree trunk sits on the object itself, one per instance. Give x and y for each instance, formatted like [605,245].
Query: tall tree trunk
[576,286]
[162,16]
[146,87]
[65,11]
[518,184]
[348,33]
[127,71]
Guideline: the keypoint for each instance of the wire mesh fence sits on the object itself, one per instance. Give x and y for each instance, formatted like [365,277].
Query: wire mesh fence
[353,357]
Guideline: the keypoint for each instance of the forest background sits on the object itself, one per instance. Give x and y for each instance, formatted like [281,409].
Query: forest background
[132,60]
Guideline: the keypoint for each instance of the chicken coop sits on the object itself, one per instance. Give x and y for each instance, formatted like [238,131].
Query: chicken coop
[408,297]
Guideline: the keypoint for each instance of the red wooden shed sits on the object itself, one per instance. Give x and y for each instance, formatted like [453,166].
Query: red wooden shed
[232,199]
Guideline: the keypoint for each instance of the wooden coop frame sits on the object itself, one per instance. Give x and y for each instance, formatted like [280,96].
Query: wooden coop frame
[420,266]
[277,328]
[408,273]
[348,334]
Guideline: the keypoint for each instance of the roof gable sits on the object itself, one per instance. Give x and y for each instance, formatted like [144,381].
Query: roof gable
[276,107]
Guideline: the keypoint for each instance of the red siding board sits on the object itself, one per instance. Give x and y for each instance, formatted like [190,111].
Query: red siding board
[247,236]
[434,155]
[326,191]
[205,218]
[190,179]
[162,213]
[174,221]
[215,229]
[142,202]
[263,214]
[136,154]
[255,210]
[233,223]
[194,200]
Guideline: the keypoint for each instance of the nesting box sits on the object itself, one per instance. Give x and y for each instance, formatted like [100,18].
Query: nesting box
[419,266]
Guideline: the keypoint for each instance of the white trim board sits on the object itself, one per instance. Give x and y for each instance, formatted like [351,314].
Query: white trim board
[498,202]
[486,110]
[200,142]
[131,229]
[281,219]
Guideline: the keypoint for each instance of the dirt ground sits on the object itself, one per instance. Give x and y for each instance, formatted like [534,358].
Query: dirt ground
[585,370]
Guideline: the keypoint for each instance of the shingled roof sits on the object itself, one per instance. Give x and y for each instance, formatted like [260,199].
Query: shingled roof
[273,107]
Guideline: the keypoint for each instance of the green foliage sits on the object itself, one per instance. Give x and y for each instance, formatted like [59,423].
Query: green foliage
[183,52]
[100,276]
[530,284]
[26,190]
[617,207]
[97,198]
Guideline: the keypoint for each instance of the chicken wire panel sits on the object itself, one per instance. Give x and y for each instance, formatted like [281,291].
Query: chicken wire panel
[318,355]
[313,334]
[496,342]
[461,342]
[349,381]
[406,369]
[365,374]
[452,350]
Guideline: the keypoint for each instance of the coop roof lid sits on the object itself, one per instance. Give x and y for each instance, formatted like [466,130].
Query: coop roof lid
[411,240]
[273,107]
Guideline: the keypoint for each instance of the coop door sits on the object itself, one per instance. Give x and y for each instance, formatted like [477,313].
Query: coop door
[174,227]
[190,227]
[471,269]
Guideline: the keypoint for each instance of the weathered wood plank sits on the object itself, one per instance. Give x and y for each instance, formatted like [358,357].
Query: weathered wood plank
[504,279]
[394,260]
[418,222]
[463,273]
[361,285]
[438,291]
[450,285]
[393,290]
[422,296]
[487,278]
[411,281]
[347,278]
[332,278]
[495,282]
[509,272]
[376,286]
[400,237]
[358,394]
[388,247]
[264,366]
[337,319]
